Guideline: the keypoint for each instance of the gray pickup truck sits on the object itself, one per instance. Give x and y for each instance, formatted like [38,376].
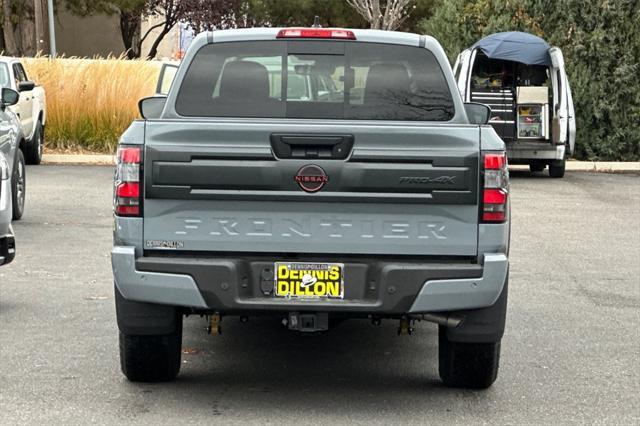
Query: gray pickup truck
[383,198]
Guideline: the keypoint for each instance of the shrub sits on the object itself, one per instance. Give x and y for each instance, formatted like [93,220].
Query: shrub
[90,102]
[601,44]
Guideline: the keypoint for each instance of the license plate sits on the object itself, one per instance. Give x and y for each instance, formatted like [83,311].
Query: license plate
[309,280]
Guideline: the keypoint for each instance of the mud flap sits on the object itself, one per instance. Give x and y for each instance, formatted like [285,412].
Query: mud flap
[482,325]
[145,319]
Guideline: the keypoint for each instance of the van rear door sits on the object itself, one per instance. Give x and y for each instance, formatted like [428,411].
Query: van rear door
[572,120]
[560,105]
[462,71]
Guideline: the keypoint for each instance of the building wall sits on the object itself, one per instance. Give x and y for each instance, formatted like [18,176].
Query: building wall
[89,36]
[169,45]
[99,35]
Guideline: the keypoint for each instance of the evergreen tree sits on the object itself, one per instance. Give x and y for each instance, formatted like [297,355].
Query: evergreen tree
[600,41]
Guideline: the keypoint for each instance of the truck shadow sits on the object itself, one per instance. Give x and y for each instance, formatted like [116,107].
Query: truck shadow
[354,367]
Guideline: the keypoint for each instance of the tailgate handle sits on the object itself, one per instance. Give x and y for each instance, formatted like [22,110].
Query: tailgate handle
[324,147]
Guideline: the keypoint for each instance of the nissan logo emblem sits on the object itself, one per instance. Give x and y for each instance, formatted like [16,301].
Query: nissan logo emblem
[311,178]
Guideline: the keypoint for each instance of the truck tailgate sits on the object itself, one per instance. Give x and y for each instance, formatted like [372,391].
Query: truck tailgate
[408,189]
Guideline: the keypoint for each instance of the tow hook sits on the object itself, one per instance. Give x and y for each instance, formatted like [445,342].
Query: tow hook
[214,324]
[405,327]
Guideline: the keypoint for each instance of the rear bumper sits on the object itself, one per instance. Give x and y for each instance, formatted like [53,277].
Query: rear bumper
[528,151]
[235,285]
[6,211]
[7,249]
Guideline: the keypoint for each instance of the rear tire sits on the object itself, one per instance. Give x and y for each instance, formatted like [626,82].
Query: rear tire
[468,365]
[18,185]
[151,358]
[536,167]
[556,168]
[33,151]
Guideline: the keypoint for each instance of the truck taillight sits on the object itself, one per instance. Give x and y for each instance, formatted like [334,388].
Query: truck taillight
[127,194]
[495,192]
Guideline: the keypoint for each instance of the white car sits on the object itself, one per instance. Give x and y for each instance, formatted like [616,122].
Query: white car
[30,109]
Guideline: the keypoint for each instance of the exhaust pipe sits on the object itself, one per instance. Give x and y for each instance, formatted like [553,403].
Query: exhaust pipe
[449,321]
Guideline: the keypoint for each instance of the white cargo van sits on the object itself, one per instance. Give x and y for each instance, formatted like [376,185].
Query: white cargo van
[524,82]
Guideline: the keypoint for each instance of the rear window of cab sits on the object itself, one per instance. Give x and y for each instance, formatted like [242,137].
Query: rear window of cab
[315,79]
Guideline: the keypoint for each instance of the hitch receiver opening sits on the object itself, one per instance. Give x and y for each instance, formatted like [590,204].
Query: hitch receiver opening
[308,322]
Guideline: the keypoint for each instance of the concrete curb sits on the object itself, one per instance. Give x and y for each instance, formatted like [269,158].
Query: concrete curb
[610,166]
[86,159]
[596,166]
[573,166]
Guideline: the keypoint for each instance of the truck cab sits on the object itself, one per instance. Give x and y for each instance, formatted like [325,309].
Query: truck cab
[524,82]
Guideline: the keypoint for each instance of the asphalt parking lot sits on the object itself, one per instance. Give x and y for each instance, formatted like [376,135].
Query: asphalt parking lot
[571,353]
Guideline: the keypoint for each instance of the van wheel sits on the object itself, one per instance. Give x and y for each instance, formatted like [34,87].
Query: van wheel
[536,167]
[18,185]
[33,151]
[151,358]
[556,168]
[467,365]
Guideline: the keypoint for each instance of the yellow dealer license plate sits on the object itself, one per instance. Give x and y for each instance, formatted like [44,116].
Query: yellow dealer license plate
[309,280]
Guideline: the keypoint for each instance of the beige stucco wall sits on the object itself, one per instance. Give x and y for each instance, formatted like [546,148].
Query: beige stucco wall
[99,35]
[170,43]
[87,36]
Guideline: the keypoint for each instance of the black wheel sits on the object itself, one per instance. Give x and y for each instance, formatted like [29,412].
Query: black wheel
[33,152]
[536,167]
[467,365]
[556,168]
[18,185]
[151,358]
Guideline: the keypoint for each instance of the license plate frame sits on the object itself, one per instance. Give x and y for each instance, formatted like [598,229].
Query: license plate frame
[309,280]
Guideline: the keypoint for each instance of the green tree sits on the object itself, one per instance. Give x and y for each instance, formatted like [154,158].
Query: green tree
[457,24]
[289,13]
[422,9]
[600,41]
[332,13]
